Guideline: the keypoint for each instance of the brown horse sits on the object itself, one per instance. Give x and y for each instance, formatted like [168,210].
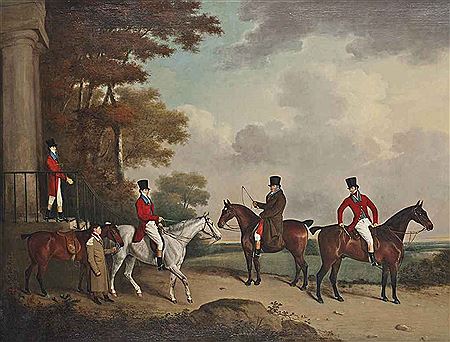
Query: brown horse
[295,236]
[335,244]
[43,246]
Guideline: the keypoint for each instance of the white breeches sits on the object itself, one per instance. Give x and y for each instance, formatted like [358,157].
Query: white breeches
[59,200]
[257,237]
[151,229]
[362,227]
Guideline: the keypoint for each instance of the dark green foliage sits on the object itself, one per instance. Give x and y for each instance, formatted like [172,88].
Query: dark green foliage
[435,271]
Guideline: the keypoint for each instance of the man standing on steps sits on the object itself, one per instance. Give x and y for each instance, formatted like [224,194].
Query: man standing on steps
[54,182]
[358,203]
[148,221]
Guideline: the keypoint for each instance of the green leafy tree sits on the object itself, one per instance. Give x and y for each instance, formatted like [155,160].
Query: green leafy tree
[179,194]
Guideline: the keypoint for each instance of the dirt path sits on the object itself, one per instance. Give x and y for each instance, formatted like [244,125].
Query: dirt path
[362,316]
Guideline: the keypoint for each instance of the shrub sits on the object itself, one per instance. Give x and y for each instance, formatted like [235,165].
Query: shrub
[433,271]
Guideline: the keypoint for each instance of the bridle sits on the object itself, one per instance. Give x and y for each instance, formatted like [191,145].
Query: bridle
[412,235]
[211,235]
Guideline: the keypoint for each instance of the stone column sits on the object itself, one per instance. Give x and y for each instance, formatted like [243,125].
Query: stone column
[20,145]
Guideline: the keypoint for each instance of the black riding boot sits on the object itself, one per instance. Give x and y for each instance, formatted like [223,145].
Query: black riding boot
[61,218]
[257,253]
[160,264]
[372,259]
[47,215]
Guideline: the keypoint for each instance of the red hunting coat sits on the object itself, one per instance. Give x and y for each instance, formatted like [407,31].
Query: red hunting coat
[53,165]
[145,213]
[356,209]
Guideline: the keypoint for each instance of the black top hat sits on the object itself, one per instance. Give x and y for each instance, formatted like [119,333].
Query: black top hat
[351,182]
[275,180]
[51,142]
[143,184]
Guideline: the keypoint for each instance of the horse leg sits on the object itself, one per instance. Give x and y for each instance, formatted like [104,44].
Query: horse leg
[393,271]
[173,280]
[333,279]
[257,269]
[384,277]
[176,270]
[39,277]
[129,265]
[248,258]
[319,277]
[300,264]
[117,262]
[28,272]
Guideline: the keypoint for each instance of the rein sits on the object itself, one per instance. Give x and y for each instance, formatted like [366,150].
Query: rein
[411,235]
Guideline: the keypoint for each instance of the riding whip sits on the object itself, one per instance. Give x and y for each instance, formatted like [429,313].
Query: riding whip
[243,188]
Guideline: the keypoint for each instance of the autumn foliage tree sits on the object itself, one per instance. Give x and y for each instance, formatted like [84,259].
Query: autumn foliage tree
[97,48]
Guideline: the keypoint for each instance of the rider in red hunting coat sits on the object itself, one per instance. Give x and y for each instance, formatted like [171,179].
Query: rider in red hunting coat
[148,221]
[54,182]
[359,203]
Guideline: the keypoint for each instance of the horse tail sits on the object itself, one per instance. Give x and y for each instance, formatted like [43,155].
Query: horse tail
[308,223]
[25,236]
[314,229]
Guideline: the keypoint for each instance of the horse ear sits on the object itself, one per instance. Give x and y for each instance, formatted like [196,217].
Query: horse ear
[418,203]
[224,203]
[421,202]
[228,201]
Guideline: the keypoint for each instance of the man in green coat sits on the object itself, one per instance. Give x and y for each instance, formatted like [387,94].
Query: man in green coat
[270,226]
[97,271]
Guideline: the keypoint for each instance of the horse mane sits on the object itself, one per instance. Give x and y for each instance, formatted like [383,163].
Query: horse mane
[180,225]
[393,220]
[247,209]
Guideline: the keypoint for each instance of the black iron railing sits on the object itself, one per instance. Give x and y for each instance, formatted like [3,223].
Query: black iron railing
[25,198]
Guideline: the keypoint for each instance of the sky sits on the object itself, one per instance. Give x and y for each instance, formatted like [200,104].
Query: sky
[317,92]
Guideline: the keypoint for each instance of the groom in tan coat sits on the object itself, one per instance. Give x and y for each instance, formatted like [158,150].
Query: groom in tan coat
[97,271]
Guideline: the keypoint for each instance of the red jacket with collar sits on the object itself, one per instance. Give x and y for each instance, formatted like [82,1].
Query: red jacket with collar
[145,213]
[356,209]
[53,165]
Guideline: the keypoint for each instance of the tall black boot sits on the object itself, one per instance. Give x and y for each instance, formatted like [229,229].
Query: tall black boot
[373,262]
[61,218]
[47,215]
[160,264]
[257,253]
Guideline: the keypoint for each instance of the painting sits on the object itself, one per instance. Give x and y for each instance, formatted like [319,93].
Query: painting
[209,170]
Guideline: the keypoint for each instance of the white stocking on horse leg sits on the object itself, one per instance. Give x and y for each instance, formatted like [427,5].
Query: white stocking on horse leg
[175,270]
[129,265]
[117,262]
[173,280]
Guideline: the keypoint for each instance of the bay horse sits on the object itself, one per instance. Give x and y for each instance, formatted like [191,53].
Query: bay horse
[44,246]
[335,244]
[176,237]
[295,236]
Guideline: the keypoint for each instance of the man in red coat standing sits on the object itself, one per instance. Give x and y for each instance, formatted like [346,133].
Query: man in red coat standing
[358,203]
[148,221]
[54,182]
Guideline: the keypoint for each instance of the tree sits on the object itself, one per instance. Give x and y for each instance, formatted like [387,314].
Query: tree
[179,194]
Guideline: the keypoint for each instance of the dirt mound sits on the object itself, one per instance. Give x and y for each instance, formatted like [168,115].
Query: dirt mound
[228,312]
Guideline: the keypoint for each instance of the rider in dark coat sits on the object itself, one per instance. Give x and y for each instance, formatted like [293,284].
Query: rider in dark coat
[271,224]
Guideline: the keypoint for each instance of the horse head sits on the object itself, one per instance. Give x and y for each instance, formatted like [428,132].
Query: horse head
[212,230]
[420,216]
[227,214]
[110,231]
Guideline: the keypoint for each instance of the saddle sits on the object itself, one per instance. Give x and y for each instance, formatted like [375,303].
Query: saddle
[376,241]
[72,243]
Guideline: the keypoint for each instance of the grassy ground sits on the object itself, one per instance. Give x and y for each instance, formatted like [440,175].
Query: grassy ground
[282,264]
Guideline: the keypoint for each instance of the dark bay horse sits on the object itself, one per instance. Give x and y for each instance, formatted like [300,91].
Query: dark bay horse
[295,236]
[44,245]
[335,244]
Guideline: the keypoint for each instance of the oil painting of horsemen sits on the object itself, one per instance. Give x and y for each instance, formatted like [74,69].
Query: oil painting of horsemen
[225,170]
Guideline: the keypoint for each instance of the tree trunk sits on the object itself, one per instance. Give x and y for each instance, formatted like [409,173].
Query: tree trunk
[118,151]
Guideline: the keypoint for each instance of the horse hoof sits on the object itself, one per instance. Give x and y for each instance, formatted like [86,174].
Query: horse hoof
[45,295]
[385,299]
[293,284]
[396,301]
[80,290]
[248,283]
[114,294]
[339,299]
[139,294]
[303,288]
[190,301]
[174,301]
[320,300]
[26,291]
[257,282]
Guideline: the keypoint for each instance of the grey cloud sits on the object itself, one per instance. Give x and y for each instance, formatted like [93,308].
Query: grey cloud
[417,28]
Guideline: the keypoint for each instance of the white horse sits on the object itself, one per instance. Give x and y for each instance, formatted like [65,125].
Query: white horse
[176,237]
